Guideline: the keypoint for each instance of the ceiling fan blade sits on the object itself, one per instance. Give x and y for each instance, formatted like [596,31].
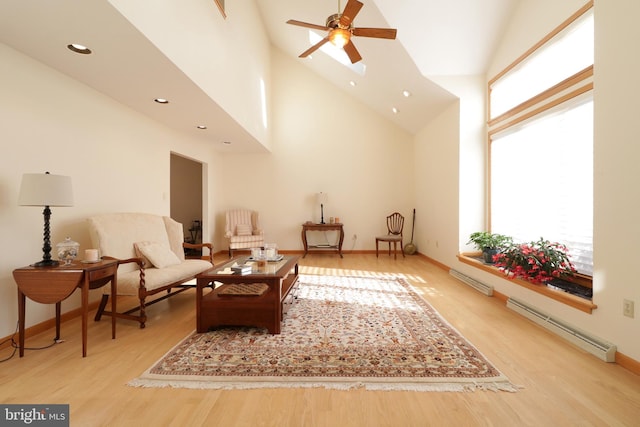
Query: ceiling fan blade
[350,11]
[307,25]
[380,33]
[313,48]
[352,52]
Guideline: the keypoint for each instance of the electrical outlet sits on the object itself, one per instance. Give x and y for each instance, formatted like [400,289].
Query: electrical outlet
[627,308]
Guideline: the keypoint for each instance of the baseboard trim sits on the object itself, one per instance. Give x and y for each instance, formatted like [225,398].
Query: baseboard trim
[628,363]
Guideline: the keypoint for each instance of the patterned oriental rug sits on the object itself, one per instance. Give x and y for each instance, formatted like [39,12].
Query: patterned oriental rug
[342,333]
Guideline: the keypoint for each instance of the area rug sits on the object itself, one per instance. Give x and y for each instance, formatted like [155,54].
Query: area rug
[342,332]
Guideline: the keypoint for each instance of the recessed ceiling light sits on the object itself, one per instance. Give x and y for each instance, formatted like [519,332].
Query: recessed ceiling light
[395,110]
[161,101]
[201,127]
[352,83]
[227,142]
[406,93]
[78,48]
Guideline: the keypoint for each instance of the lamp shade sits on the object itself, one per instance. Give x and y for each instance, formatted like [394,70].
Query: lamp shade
[44,189]
[322,198]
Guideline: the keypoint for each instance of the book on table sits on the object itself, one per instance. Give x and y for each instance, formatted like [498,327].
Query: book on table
[241,269]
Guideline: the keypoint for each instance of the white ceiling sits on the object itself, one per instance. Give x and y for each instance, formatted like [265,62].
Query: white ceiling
[435,38]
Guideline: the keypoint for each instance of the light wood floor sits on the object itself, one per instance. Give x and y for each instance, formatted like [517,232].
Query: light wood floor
[562,385]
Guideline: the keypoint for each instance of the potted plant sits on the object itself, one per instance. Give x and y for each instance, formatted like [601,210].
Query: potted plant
[537,262]
[489,243]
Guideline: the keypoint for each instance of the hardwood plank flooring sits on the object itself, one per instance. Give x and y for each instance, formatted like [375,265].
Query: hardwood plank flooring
[561,384]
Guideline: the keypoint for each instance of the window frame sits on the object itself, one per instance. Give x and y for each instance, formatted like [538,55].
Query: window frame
[549,92]
[570,88]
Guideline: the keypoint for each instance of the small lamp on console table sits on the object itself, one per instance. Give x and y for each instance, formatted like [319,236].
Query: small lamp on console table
[322,199]
[44,189]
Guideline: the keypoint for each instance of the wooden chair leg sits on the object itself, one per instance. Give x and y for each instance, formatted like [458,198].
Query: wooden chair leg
[143,314]
[376,248]
[101,307]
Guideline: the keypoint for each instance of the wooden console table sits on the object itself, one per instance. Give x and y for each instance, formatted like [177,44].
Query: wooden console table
[52,285]
[322,227]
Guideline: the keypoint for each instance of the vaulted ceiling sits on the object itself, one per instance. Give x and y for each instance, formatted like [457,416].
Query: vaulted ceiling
[435,38]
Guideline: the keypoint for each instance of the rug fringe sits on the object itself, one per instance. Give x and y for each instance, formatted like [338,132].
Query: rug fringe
[426,387]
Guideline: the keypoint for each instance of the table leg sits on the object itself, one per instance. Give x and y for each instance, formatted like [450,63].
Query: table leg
[85,312]
[114,296]
[304,242]
[58,316]
[341,240]
[21,307]
[200,284]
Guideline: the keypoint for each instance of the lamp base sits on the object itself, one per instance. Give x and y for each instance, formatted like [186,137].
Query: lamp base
[46,263]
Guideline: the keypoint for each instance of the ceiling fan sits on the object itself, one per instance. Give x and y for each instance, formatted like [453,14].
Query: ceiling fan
[340,30]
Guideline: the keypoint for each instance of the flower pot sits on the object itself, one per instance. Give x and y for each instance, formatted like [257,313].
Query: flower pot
[488,254]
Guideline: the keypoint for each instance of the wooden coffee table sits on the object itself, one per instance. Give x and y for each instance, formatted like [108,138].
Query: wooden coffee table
[214,309]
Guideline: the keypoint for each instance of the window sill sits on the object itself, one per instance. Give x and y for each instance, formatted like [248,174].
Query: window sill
[571,300]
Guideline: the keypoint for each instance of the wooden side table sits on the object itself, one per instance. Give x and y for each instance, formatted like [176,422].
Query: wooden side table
[52,285]
[322,227]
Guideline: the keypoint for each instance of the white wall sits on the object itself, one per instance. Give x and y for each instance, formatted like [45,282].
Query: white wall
[118,160]
[472,153]
[616,157]
[325,141]
[437,186]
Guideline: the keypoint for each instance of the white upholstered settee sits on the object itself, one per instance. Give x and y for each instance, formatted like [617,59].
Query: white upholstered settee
[150,250]
[243,230]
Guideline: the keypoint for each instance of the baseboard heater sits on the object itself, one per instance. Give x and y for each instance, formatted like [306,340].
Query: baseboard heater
[596,346]
[478,286]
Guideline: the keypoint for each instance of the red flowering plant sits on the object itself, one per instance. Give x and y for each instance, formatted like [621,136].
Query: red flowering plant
[537,262]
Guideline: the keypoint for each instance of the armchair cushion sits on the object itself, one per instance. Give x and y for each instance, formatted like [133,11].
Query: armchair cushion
[244,230]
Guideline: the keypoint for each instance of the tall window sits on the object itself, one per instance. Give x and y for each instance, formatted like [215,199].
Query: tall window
[541,142]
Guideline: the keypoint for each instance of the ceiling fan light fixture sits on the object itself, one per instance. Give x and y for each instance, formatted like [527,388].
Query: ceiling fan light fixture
[339,37]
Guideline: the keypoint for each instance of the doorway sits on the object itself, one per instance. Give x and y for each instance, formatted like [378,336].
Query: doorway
[186,198]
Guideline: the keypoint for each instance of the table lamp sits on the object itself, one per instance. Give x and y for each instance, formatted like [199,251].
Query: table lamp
[322,199]
[44,189]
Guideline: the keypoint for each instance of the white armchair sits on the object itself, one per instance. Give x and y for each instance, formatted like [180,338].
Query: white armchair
[243,230]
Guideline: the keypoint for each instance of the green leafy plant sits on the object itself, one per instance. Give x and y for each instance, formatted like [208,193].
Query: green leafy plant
[485,240]
[537,262]
[489,243]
